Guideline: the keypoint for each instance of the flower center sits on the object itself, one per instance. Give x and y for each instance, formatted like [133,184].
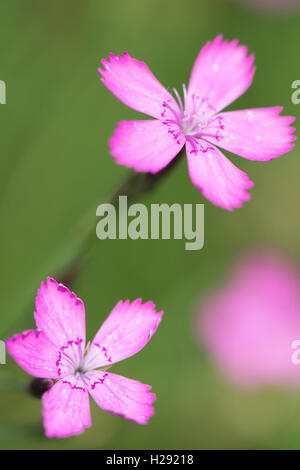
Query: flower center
[195,114]
[71,358]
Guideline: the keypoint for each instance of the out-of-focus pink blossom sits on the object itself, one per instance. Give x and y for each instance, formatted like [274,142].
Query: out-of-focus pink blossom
[57,350]
[250,323]
[223,71]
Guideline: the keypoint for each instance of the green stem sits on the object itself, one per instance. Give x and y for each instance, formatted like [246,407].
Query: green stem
[134,187]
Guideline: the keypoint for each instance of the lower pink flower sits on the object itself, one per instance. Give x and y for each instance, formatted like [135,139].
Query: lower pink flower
[57,350]
[250,324]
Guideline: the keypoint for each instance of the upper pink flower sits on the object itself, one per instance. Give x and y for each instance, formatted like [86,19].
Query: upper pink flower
[250,324]
[57,350]
[222,72]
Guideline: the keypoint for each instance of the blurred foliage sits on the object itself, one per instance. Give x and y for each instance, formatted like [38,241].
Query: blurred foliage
[55,171]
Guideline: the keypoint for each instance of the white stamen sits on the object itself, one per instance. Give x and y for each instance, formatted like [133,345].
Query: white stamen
[193,116]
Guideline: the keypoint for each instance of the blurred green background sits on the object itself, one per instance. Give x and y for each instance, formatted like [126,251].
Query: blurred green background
[55,171]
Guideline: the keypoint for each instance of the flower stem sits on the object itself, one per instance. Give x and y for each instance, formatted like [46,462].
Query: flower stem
[134,187]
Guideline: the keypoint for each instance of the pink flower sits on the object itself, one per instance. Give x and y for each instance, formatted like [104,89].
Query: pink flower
[222,72]
[250,324]
[57,350]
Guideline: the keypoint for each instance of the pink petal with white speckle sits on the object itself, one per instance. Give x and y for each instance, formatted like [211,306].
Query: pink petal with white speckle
[135,85]
[255,134]
[145,145]
[66,408]
[125,397]
[217,178]
[35,353]
[59,313]
[126,331]
[222,72]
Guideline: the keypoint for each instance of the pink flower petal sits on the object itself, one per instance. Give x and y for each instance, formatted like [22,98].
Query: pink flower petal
[218,179]
[35,353]
[126,331]
[135,85]
[222,72]
[125,397]
[256,134]
[66,408]
[59,313]
[145,145]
